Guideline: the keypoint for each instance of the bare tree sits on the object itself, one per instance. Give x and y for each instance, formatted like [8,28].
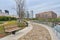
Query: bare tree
[20,9]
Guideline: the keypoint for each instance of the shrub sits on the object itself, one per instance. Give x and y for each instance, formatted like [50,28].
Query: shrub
[21,24]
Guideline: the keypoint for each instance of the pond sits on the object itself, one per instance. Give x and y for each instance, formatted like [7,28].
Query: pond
[57,31]
[57,28]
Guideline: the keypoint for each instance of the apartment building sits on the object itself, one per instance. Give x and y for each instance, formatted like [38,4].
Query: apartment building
[49,14]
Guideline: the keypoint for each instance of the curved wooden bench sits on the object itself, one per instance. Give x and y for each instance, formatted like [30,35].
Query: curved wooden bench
[11,29]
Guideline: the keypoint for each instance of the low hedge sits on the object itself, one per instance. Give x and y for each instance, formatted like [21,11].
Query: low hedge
[7,18]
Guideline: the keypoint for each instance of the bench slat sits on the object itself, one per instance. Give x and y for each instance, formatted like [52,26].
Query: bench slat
[11,28]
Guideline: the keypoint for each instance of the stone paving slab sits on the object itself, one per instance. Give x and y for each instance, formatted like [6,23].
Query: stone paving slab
[37,33]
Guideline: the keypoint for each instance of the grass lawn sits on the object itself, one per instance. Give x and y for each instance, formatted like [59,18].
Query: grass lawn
[1,22]
[2,33]
[1,29]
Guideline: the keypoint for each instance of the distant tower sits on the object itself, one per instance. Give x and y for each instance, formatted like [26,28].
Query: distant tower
[0,11]
[27,14]
[32,13]
[6,11]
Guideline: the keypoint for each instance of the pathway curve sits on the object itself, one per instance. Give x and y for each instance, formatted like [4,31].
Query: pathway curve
[37,33]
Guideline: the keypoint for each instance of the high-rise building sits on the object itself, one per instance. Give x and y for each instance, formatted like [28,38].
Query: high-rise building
[27,15]
[0,11]
[6,11]
[31,13]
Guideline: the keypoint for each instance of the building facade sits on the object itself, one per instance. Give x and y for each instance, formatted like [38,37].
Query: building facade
[49,14]
[58,17]
[6,13]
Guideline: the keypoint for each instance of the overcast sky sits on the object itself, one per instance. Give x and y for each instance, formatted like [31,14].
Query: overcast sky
[35,5]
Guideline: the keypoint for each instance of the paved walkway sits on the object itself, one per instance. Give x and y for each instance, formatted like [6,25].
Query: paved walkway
[37,33]
[51,31]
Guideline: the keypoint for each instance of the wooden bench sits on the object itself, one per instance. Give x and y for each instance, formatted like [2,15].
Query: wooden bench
[11,29]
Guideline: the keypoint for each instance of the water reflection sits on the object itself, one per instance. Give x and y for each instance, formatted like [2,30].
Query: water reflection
[57,28]
[57,31]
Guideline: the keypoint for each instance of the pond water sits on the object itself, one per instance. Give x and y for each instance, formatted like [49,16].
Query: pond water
[57,28]
[57,31]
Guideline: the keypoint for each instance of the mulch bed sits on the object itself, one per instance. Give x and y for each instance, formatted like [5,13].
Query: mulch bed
[2,35]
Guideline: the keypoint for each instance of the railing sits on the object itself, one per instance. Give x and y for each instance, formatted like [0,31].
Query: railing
[51,24]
